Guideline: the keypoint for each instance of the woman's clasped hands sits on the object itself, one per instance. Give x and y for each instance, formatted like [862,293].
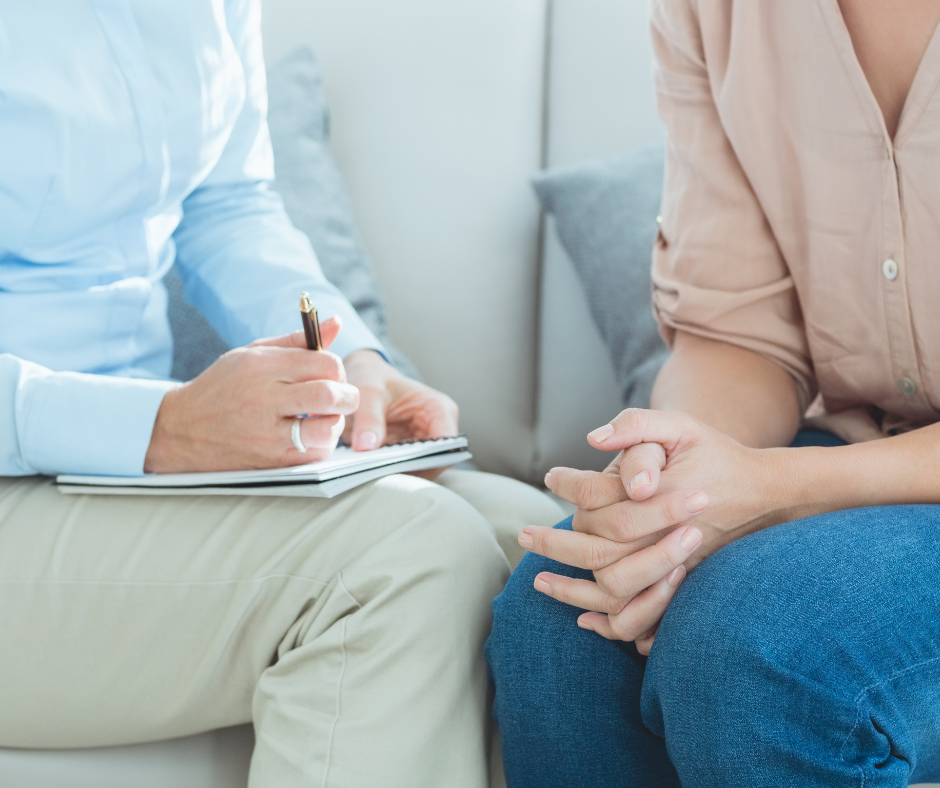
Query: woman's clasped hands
[677,492]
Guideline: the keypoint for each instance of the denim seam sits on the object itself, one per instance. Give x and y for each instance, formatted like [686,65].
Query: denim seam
[858,705]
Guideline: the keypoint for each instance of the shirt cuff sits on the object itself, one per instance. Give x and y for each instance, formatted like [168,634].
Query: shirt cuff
[92,424]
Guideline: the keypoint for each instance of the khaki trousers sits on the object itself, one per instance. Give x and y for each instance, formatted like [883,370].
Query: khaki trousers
[349,631]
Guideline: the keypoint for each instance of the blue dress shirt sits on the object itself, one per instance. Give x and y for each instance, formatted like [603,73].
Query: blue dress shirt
[133,135]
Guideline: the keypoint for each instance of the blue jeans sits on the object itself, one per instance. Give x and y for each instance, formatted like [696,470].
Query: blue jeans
[807,654]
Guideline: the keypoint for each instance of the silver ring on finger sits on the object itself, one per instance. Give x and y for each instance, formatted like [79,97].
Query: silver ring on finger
[295,436]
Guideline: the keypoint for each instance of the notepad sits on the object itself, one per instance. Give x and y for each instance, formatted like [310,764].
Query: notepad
[343,471]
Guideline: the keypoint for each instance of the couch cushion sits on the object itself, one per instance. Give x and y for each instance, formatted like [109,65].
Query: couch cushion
[605,214]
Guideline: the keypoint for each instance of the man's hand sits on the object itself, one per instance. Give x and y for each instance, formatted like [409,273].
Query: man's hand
[393,407]
[655,484]
[238,414]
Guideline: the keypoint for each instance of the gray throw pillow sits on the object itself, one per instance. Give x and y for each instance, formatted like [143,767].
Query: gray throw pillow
[318,204]
[605,213]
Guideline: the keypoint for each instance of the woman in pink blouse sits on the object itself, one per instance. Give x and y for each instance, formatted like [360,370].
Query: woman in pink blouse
[797,277]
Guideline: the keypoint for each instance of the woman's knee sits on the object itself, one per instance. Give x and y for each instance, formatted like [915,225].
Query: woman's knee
[778,624]
[555,682]
[524,618]
[721,654]
[536,648]
[784,592]
[740,610]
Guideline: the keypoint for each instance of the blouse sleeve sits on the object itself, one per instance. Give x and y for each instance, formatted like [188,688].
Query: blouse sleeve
[717,269]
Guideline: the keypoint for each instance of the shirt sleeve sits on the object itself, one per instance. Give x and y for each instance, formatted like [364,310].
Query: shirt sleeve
[67,422]
[717,269]
[242,263]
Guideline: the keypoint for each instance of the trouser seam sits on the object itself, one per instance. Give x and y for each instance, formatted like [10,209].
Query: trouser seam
[861,695]
[339,688]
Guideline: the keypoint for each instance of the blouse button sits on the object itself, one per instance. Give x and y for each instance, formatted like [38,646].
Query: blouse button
[890,269]
[907,386]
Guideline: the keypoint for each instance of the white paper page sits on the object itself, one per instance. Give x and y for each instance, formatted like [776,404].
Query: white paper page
[327,489]
[344,461]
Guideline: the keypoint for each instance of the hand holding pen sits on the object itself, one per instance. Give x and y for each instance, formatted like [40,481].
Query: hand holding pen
[240,413]
[308,316]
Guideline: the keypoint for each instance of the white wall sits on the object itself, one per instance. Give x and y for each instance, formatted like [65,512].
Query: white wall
[601,101]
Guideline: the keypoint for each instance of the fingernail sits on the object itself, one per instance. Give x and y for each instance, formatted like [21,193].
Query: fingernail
[548,479]
[640,480]
[525,539]
[677,576]
[367,441]
[602,433]
[691,539]
[585,625]
[696,502]
[541,585]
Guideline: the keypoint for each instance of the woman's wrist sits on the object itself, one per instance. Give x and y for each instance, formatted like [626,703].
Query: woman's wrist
[781,485]
[813,480]
[765,493]
[793,489]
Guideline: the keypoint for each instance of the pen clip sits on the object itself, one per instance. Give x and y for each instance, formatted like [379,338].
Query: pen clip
[308,316]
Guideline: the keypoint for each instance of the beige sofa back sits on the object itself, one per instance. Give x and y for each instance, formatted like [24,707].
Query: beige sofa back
[442,110]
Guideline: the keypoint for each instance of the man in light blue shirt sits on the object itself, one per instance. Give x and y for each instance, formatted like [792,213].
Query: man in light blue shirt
[133,137]
[125,151]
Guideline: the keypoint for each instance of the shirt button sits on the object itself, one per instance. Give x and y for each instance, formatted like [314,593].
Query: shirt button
[890,269]
[907,386]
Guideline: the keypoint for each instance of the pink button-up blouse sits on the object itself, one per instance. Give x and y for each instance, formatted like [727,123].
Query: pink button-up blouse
[792,224]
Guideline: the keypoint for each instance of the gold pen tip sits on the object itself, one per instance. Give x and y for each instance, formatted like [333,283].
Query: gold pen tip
[305,305]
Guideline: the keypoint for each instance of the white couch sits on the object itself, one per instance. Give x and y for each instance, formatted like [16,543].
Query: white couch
[442,110]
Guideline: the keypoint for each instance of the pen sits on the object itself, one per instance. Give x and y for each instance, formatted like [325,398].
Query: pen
[308,316]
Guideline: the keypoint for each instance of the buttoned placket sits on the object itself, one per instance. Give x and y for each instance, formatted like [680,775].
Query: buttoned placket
[922,93]
[905,369]
[907,390]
